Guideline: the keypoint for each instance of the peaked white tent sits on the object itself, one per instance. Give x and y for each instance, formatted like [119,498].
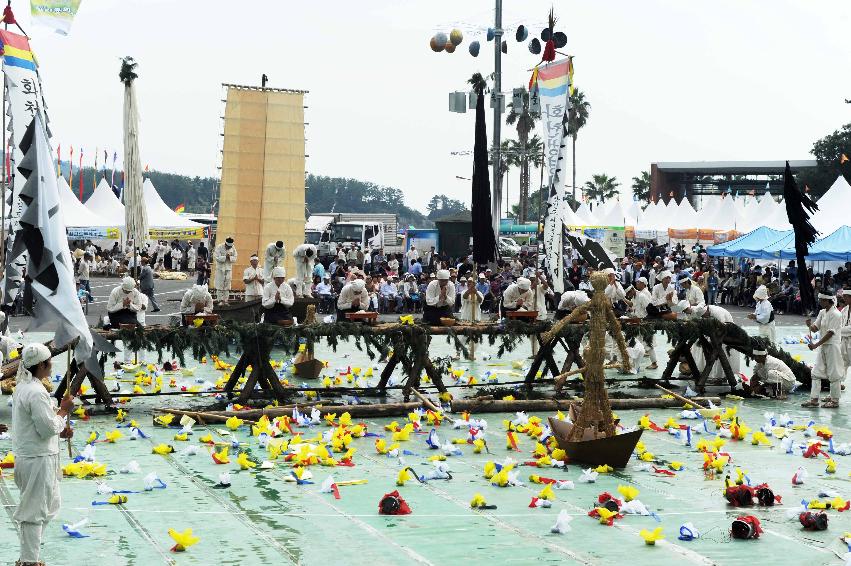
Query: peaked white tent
[570,218]
[105,204]
[159,213]
[584,213]
[833,208]
[75,213]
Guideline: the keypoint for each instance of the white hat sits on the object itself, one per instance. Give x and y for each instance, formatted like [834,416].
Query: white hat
[128,284]
[581,298]
[759,352]
[464,279]
[681,306]
[642,280]
[443,274]
[699,310]
[279,272]
[254,256]
[826,296]
[358,285]
[524,283]
[663,275]
[761,293]
[482,276]
[34,354]
[609,271]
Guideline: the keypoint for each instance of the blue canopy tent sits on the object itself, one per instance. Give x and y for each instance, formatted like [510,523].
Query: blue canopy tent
[761,243]
[835,247]
[766,243]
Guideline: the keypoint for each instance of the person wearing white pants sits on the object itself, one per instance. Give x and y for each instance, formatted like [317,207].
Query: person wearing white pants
[846,327]
[639,301]
[37,426]
[829,364]
[764,314]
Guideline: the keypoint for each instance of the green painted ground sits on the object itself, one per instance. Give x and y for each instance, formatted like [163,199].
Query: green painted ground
[264,519]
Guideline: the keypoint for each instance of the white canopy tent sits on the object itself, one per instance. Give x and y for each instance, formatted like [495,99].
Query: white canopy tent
[570,218]
[159,213]
[75,213]
[833,207]
[584,213]
[105,204]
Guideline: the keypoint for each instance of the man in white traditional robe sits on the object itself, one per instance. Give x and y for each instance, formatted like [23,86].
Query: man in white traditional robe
[764,314]
[253,279]
[37,426]
[225,256]
[829,364]
[277,298]
[771,376]
[305,258]
[275,254]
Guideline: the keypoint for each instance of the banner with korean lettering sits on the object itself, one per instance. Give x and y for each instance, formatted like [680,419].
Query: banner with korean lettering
[24,99]
[554,82]
[177,233]
[57,15]
[94,233]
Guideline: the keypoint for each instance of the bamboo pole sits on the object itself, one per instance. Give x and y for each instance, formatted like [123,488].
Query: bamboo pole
[681,398]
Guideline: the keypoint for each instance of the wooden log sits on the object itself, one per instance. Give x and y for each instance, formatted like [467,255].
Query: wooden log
[471,405]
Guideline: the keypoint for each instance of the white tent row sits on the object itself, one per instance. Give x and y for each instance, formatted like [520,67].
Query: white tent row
[75,213]
[742,214]
[104,203]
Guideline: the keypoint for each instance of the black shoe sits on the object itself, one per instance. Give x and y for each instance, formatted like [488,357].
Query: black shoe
[156,310]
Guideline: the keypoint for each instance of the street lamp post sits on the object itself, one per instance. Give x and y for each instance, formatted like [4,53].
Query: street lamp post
[496,100]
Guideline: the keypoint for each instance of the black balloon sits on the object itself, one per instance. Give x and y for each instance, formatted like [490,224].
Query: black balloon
[490,34]
[474,48]
[545,34]
[522,33]
[559,39]
[535,46]
[504,46]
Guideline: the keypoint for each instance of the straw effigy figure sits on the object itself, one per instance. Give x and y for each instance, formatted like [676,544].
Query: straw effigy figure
[596,412]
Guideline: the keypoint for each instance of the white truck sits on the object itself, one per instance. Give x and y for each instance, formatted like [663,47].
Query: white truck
[369,231]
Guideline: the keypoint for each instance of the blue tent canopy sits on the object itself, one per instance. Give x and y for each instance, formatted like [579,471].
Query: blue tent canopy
[835,247]
[766,243]
[762,243]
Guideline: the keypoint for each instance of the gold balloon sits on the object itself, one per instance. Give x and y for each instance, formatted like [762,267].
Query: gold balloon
[435,46]
[456,37]
[449,47]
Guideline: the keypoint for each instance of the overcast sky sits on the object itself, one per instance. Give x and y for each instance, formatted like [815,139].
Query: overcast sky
[668,80]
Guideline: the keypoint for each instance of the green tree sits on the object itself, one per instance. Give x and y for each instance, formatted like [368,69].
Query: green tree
[828,151]
[601,187]
[524,120]
[641,186]
[442,205]
[576,119]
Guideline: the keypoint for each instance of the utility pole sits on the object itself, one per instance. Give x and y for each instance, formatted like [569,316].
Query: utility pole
[496,100]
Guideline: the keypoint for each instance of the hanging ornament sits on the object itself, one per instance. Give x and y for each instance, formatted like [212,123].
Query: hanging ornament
[474,48]
[436,45]
[490,34]
[521,34]
[549,48]
[535,46]
[456,37]
[560,39]
[449,47]
[504,46]
[546,34]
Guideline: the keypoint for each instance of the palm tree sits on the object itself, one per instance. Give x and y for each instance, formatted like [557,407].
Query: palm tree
[601,187]
[576,118]
[641,186]
[507,159]
[524,118]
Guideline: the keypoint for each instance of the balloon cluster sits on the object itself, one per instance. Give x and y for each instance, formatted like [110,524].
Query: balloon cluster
[441,42]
